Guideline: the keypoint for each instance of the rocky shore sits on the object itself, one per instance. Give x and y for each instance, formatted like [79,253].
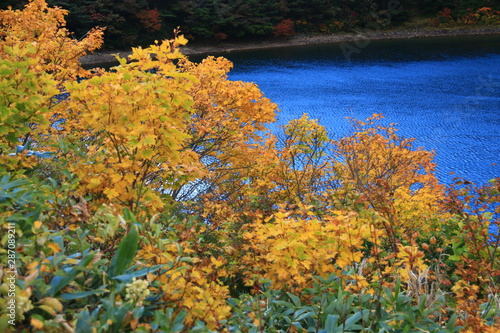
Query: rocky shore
[99,58]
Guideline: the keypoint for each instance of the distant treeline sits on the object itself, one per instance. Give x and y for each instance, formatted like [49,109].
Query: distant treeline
[134,22]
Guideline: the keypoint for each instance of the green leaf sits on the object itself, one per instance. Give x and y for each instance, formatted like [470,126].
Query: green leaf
[421,303]
[119,315]
[331,307]
[178,324]
[331,325]
[84,323]
[59,282]
[295,300]
[351,321]
[125,253]
[450,325]
[285,304]
[139,273]
[302,314]
[184,259]
[82,294]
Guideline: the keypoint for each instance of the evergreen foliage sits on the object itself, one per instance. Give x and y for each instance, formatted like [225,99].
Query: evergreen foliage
[129,22]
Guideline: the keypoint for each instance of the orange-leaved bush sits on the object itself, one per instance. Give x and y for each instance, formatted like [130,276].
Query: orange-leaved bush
[382,171]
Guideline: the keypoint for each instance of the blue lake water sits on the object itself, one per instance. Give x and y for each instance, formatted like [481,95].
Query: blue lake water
[443,91]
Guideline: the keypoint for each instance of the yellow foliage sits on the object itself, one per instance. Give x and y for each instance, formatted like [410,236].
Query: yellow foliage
[409,259]
[227,116]
[36,53]
[191,284]
[303,164]
[26,101]
[289,251]
[132,123]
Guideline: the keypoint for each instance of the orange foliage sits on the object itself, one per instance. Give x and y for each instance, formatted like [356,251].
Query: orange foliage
[150,19]
[44,29]
[285,28]
[383,171]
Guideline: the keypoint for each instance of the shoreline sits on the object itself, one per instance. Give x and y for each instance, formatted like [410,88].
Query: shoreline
[98,58]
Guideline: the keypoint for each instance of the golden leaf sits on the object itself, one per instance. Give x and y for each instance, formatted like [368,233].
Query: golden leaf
[54,247]
[36,323]
[53,303]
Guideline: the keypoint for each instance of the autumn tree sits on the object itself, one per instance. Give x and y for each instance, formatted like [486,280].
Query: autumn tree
[379,169]
[37,54]
[150,19]
[228,116]
[285,28]
[132,124]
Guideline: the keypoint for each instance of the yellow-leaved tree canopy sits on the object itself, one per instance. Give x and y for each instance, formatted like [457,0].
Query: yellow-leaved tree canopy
[37,54]
[156,125]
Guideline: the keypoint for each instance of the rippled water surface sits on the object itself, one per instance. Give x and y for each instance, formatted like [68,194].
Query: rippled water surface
[443,91]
